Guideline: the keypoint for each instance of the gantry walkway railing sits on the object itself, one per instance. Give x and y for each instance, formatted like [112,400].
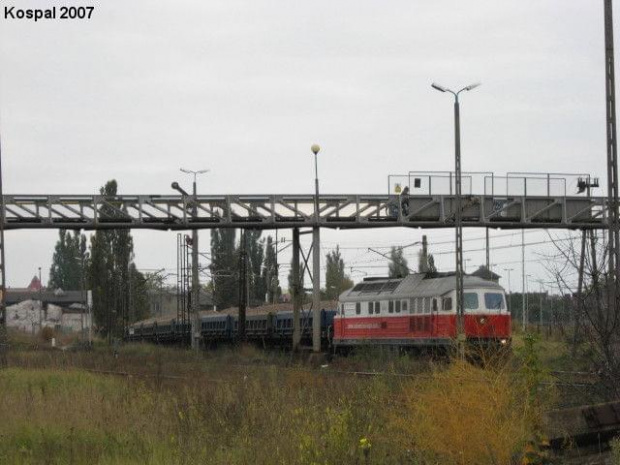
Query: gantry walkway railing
[288,211]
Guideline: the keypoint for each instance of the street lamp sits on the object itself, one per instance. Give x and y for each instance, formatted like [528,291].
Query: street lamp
[457,215]
[195,277]
[316,260]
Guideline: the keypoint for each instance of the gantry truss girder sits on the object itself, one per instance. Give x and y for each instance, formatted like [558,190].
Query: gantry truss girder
[288,211]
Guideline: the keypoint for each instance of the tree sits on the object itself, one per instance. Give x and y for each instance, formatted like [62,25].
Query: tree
[139,302]
[224,268]
[68,263]
[431,264]
[426,261]
[255,255]
[398,263]
[578,273]
[300,284]
[271,272]
[116,284]
[336,281]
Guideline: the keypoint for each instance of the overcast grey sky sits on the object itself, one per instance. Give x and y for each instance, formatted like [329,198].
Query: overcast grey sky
[245,87]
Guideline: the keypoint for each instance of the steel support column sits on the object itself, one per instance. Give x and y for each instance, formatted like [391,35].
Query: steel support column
[316,290]
[523,313]
[612,158]
[3,331]
[195,323]
[243,293]
[297,290]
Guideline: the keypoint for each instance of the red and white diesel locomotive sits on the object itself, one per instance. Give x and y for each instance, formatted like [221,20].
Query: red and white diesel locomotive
[419,311]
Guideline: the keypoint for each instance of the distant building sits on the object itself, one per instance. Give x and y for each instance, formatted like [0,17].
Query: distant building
[31,316]
[164,301]
[484,273]
[35,284]
[34,307]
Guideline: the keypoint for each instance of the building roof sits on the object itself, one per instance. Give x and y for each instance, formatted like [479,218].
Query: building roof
[484,273]
[35,284]
[419,284]
[54,297]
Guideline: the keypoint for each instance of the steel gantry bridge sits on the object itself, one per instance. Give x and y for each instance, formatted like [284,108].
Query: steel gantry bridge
[162,212]
[428,207]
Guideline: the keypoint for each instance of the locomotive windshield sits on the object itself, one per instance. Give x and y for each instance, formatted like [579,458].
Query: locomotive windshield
[470,301]
[494,300]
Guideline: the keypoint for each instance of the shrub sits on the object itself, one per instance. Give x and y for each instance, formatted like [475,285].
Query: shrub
[46,334]
[465,415]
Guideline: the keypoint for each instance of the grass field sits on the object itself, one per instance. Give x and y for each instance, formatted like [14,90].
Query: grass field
[247,406]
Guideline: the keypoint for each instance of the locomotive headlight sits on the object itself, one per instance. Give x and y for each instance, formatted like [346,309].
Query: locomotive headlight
[503,341]
[482,320]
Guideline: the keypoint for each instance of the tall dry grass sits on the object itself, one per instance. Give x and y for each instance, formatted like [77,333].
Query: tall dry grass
[67,416]
[251,407]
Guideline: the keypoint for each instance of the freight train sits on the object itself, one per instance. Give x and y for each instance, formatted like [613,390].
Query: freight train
[417,311]
[274,329]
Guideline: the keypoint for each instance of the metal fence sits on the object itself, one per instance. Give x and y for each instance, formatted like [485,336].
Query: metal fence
[513,184]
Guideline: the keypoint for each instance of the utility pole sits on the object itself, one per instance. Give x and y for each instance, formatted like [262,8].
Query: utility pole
[509,305]
[3,333]
[195,281]
[612,160]
[458,224]
[540,316]
[488,261]
[195,321]
[316,261]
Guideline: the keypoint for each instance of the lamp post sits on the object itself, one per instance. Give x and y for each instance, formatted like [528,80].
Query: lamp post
[457,215]
[195,278]
[316,260]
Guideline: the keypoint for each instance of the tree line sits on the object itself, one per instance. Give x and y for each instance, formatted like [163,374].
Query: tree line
[105,264]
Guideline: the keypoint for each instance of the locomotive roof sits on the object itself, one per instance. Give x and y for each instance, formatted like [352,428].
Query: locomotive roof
[414,285]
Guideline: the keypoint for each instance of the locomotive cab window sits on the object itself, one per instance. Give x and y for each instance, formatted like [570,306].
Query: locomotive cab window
[447,304]
[493,301]
[470,301]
